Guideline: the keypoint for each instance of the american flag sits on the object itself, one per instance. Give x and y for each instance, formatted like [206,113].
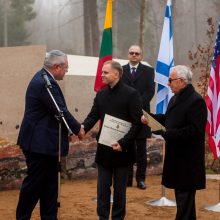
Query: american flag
[164,62]
[213,101]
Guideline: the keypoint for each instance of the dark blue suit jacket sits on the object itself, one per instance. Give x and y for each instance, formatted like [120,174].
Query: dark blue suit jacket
[143,82]
[39,130]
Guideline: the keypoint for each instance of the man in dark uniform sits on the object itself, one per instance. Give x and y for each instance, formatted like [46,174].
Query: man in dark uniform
[185,121]
[38,138]
[140,77]
[123,102]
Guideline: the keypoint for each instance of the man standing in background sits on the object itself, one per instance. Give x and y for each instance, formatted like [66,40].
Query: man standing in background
[141,78]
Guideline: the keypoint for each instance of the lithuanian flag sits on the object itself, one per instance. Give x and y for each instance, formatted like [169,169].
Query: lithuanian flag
[106,46]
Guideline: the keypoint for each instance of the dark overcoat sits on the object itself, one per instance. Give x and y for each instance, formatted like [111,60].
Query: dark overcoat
[185,121]
[39,130]
[122,102]
[143,82]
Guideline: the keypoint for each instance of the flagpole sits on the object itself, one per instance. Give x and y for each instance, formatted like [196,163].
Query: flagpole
[105,53]
[216,207]
[212,102]
[163,201]
[165,59]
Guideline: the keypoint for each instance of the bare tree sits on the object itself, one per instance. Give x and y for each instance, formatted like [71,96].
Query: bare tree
[87,28]
[91,30]
[94,27]
[217,4]
[5,19]
[142,19]
[201,58]
[195,20]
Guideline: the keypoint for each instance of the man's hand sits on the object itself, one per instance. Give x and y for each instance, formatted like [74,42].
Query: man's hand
[144,120]
[116,147]
[72,138]
[158,132]
[81,133]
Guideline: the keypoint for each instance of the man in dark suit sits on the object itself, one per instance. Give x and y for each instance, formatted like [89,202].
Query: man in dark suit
[141,78]
[38,138]
[123,102]
[185,121]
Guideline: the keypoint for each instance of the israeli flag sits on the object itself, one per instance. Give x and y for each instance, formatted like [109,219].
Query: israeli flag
[164,62]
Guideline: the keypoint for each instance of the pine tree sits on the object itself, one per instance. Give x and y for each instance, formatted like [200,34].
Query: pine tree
[18,12]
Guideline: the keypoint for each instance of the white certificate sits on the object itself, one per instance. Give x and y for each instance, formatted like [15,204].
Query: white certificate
[113,129]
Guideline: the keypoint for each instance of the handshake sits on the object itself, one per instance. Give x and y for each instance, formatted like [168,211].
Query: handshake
[80,135]
[115,146]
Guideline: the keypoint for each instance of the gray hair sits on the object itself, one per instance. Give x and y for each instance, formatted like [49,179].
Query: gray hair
[54,57]
[183,72]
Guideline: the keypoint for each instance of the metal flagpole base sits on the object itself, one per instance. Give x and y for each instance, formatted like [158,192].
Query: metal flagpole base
[214,208]
[163,201]
[95,199]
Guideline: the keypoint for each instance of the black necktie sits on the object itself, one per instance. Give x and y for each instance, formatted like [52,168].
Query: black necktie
[133,71]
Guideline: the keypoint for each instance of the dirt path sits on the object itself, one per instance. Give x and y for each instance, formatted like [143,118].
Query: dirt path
[77,202]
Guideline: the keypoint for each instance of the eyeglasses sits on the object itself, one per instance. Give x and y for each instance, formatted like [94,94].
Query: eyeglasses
[63,66]
[171,80]
[136,53]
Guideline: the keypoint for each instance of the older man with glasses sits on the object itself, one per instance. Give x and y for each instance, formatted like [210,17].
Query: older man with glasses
[185,121]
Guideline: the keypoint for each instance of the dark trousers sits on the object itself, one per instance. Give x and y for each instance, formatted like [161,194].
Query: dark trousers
[141,161]
[40,184]
[106,176]
[186,207]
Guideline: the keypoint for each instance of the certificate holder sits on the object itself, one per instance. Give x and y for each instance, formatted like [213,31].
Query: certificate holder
[153,123]
[113,129]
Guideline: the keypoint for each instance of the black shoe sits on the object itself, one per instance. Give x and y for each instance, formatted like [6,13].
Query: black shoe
[141,185]
[129,183]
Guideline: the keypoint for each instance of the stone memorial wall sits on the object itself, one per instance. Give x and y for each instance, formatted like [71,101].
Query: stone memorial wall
[18,65]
